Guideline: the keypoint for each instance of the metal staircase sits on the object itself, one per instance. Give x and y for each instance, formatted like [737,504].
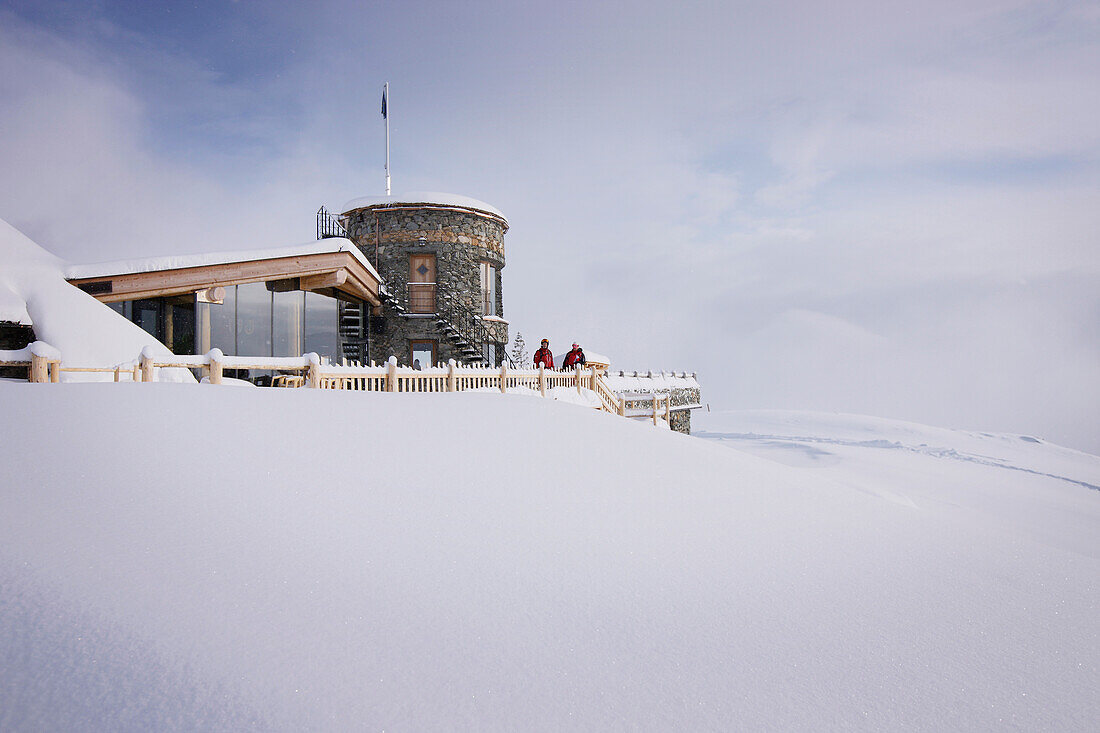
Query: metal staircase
[465,329]
[352,331]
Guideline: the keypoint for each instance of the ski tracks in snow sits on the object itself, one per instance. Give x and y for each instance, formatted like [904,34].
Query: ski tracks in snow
[806,445]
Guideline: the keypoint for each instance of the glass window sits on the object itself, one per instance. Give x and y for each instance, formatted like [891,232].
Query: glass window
[253,320]
[122,307]
[147,315]
[488,289]
[202,327]
[288,309]
[179,324]
[422,354]
[321,325]
[217,324]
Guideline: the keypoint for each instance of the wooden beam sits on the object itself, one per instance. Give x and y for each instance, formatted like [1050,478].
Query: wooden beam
[333,279]
[358,282]
[361,291]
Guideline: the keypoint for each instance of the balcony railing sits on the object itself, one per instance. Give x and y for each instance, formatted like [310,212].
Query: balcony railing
[329,225]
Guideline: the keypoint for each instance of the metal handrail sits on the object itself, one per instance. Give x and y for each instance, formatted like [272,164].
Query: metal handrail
[468,324]
[329,225]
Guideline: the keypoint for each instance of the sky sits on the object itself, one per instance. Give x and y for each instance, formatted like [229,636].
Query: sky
[871,207]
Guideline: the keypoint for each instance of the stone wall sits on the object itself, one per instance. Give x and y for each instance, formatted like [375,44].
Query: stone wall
[680,420]
[682,387]
[460,240]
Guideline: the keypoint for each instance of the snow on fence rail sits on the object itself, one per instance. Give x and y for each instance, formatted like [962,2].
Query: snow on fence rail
[44,365]
[43,362]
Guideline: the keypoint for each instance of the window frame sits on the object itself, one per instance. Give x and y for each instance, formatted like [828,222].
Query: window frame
[488,273]
[434,343]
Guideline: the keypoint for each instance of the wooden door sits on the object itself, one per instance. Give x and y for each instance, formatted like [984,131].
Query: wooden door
[422,283]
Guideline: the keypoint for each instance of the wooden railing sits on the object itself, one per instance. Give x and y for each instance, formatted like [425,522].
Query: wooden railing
[660,407]
[452,377]
[611,402]
[42,361]
[44,365]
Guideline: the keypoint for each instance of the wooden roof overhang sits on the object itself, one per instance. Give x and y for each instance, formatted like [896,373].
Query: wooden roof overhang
[338,274]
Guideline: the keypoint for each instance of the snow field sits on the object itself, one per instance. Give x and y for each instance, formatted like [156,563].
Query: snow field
[315,560]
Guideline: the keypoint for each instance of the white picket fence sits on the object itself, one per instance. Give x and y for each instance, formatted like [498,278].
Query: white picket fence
[44,364]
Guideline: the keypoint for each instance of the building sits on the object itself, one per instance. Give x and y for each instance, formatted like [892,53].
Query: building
[441,257]
[274,302]
[416,276]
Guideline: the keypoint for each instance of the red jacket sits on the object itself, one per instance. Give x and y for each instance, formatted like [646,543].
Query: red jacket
[543,355]
[574,357]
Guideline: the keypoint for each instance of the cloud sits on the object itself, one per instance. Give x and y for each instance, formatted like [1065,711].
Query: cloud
[784,197]
[88,172]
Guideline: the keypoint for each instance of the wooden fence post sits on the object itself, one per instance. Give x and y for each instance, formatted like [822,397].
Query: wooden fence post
[391,374]
[504,377]
[135,374]
[542,379]
[452,382]
[577,377]
[146,366]
[215,366]
[654,408]
[39,368]
[313,374]
[55,371]
[118,373]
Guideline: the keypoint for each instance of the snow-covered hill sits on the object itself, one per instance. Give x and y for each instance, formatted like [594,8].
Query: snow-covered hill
[194,557]
[932,469]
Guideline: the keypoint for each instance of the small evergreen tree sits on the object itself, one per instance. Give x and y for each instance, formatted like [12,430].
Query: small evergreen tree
[519,351]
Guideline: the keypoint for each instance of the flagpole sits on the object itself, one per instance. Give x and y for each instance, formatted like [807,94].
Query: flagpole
[385,114]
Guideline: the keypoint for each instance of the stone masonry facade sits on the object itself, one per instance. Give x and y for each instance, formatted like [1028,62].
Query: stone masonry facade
[679,419]
[460,239]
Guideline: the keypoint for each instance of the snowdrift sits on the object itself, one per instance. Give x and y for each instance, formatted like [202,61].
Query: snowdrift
[180,557]
[33,290]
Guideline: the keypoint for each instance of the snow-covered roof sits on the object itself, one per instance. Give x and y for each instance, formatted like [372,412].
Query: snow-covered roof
[179,262]
[86,332]
[12,307]
[429,198]
[648,381]
[592,356]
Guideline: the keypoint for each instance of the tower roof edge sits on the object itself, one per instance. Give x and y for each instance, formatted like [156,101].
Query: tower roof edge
[424,198]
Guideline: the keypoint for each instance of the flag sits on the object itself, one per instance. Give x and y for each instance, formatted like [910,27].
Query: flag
[384,103]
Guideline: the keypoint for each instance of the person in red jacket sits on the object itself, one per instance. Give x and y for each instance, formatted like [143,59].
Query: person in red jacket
[543,355]
[573,358]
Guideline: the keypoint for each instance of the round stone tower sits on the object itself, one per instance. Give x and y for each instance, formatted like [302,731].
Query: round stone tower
[440,257]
